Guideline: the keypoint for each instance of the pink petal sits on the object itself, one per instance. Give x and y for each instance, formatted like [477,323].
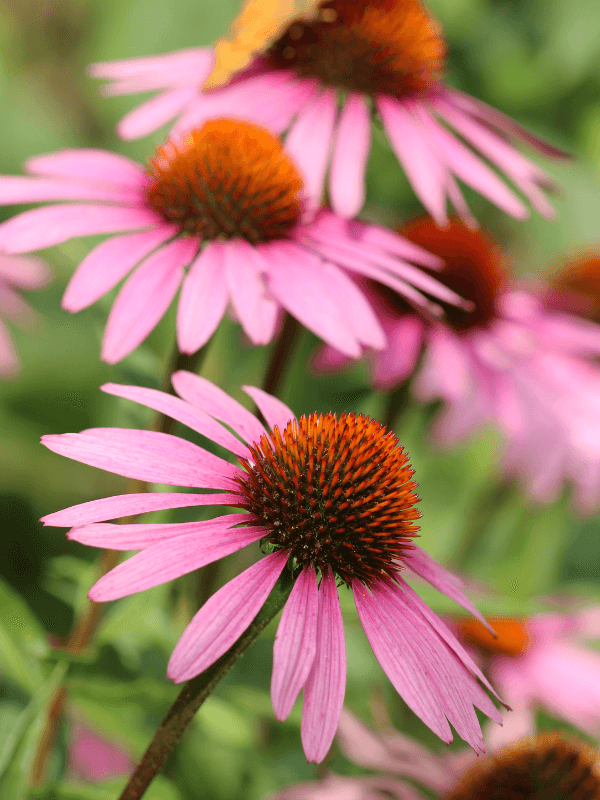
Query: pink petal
[210,398]
[294,279]
[350,155]
[203,300]
[108,263]
[447,367]
[23,189]
[50,225]
[126,505]
[171,559]
[273,410]
[396,362]
[139,536]
[422,564]
[398,650]
[24,272]
[424,168]
[224,617]
[14,308]
[181,411]
[326,684]
[144,299]
[165,69]
[470,169]
[243,267]
[295,643]
[89,164]
[309,143]
[328,359]
[155,113]
[146,456]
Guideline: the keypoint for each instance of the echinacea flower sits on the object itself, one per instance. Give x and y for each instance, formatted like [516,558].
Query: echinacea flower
[228,202]
[389,54]
[17,274]
[549,766]
[332,500]
[513,361]
[544,660]
[92,757]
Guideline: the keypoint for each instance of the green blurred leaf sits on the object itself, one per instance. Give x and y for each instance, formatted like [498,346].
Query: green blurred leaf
[160,789]
[22,640]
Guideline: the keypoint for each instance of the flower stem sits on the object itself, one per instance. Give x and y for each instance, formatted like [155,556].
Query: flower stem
[396,403]
[281,355]
[195,692]
[87,623]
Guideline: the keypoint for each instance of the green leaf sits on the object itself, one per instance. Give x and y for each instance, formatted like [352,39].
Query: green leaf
[161,789]
[20,749]
[22,640]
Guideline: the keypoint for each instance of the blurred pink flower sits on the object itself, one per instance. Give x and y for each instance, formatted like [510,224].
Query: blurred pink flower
[17,274]
[542,660]
[388,53]
[513,362]
[329,497]
[227,202]
[93,758]
[549,760]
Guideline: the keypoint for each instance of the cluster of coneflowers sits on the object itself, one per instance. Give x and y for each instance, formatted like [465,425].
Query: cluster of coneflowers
[229,212]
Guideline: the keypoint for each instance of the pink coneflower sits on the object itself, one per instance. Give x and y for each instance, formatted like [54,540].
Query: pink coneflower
[332,500]
[17,274]
[93,758]
[228,202]
[513,362]
[541,660]
[388,54]
[549,766]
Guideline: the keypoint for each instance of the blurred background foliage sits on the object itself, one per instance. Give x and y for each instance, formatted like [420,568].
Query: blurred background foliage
[536,60]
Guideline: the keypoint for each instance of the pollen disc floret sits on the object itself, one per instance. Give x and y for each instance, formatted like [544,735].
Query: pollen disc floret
[473,268]
[228,179]
[372,46]
[546,767]
[334,493]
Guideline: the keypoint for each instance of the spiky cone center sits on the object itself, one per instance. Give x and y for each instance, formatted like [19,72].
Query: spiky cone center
[334,493]
[474,267]
[513,636]
[546,767]
[228,179]
[373,46]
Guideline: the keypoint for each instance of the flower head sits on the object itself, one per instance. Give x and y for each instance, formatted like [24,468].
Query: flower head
[542,660]
[385,53]
[332,501]
[17,273]
[513,361]
[229,203]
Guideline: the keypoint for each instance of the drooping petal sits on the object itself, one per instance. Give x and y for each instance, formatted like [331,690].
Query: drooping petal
[203,300]
[396,362]
[108,263]
[397,652]
[445,582]
[144,299]
[160,71]
[309,143]
[89,164]
[210,398]
[155,112]
[295,643]
[421,163]
[145,455]
[24,272]
[126,505]
[243,266]
[139,535]
[365,325]
[294,279]
[326,684]
[181,411]
[224,617]
[350,155]
[16,189]
[273,410]
[50,225]
[171,559]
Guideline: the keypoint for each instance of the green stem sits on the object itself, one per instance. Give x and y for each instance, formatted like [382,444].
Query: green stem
[281,355]
[396,402]
[195,692]
[484,511]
